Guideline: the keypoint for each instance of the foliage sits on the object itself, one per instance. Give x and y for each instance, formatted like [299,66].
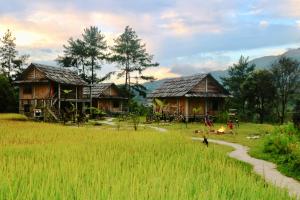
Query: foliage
[10,64]
[90,51]
[259,92]
[135,119]
[161,104]
[238,73]
[286,75]
[222,117]
[283,145]
[13,117]
[8,96]
[296,115]
[131,56]
[50,161]
[96,113]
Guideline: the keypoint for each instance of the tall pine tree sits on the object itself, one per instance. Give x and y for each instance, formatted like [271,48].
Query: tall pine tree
[85,54]
[237,75]
[132,58]
[10,64]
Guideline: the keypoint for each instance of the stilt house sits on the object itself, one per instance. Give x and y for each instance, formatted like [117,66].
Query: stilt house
[46,89]
[188,96]
[107,97]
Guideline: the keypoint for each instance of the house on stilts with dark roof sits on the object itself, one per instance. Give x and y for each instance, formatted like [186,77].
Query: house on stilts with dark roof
[107,97]
[188,96]
[51,90]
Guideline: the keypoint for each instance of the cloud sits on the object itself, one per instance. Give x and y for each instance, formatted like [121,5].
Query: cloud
[298,23]
[279,8]
[181,35]
[263,23]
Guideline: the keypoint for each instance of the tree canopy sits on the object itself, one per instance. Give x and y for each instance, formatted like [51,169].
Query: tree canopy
[11,65]
[86,54]
[237,75]
[286,76]
[132,58]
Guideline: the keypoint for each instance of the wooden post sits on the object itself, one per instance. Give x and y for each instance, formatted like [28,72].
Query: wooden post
[177,106]
[76,106]
[59,98]
[121,105]
[186,109]
[91,100]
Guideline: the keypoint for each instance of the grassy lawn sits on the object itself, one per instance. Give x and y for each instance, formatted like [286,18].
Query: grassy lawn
[52,161]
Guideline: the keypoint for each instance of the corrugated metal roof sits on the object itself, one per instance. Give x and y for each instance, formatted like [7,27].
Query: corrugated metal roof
[60,75]
[177,87]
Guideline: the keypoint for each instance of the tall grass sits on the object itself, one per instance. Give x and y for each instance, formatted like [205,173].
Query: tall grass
[50,161]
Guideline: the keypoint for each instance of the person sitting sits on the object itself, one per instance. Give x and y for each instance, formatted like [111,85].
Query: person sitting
[230,125]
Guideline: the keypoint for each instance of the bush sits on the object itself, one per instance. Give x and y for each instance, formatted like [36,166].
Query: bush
[296,115]
[277,144]
[283,145]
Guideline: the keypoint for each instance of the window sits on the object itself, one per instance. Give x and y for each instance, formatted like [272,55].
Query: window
[116,104]
[27,89]
[215,105]
[26,108]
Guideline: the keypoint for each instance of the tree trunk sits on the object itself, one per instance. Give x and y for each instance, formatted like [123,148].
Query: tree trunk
[283,103]
[92,70]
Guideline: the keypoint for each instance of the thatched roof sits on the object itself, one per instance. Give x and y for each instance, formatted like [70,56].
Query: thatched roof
[97,89]
[179,87]
[59,75]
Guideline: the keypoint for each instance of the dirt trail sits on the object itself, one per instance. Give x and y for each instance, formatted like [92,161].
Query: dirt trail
[264,168]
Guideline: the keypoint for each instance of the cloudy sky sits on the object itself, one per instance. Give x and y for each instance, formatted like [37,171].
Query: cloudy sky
[185,37]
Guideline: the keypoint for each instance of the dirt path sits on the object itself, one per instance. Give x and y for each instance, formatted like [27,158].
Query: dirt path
[265,169]
[162,130]
[108,121]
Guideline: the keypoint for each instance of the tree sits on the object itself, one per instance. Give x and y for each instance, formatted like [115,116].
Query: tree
[131,56]
[11,65]
[238,73]
[296,115]
[259,92]
[90,51]
[8,97]
[74,56]
[95,47]
[286,76]
[8,53]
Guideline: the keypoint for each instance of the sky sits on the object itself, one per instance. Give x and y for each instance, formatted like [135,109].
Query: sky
[185,37]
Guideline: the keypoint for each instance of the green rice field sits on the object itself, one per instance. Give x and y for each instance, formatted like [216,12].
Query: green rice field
[51,161]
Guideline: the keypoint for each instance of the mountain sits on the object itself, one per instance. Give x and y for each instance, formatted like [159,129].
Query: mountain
[264,62]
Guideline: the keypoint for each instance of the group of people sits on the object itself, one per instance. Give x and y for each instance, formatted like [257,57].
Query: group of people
[230,123]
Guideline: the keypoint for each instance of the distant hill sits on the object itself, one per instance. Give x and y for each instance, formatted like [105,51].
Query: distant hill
[264,62]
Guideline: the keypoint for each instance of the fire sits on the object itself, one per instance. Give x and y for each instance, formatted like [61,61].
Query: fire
[221,130]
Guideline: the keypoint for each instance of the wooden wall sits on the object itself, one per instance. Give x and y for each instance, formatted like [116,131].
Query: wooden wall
[212,86]
[39,91]
[33,73]
[111,91]
[107,105]
[179,105]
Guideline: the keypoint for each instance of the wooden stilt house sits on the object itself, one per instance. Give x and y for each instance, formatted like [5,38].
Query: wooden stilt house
[52,90]
[198,95]
[107,97]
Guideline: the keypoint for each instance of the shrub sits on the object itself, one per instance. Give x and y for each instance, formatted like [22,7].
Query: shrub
[277,144]
[284,147]
[296,115]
